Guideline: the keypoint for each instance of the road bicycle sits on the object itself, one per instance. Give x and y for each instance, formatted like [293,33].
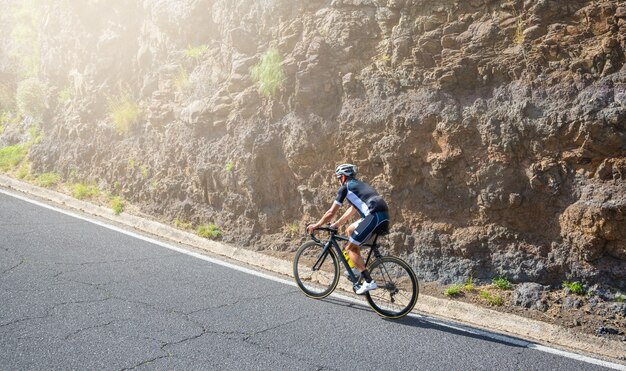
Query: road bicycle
[316,270]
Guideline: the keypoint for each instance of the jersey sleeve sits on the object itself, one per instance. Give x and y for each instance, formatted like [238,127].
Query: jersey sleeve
[341,195]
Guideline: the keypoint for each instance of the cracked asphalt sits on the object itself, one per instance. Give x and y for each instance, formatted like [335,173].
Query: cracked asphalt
[74,295]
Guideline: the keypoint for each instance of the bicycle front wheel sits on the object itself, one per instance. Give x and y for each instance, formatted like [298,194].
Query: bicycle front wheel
[316,271]
[397,287]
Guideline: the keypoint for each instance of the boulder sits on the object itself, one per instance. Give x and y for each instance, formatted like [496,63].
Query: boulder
[528,295]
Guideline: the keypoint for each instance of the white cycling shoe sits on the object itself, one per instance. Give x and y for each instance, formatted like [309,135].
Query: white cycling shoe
[366,287]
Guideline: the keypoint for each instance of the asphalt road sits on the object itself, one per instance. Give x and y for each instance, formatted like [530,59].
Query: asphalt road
[75,295]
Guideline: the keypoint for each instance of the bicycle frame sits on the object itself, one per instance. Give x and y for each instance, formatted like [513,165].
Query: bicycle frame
[332,241]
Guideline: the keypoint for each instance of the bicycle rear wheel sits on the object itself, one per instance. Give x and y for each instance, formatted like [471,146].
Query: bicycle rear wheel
[316,272]
[397,287]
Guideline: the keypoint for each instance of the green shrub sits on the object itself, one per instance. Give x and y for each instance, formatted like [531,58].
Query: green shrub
[269,73]
[291,229]
[575,287]
[453,290]
[125,113]
[196,51]
[8,117]
[469,284]
[182,225]
[81,191]
[620,298]
[65,96]
[24,171]
[502,283]
[210,231]
[31,96]
[35,134]
[518,38]
[47,179]
[230,167]
[493,300]
[11,156]
[117,204]
[181,80]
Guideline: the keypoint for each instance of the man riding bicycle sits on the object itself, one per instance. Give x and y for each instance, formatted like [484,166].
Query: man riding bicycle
[374,218]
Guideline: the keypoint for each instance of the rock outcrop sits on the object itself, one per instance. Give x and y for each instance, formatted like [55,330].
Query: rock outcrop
[495,129]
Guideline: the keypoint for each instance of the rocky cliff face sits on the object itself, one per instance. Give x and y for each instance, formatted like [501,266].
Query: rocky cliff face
[495,129]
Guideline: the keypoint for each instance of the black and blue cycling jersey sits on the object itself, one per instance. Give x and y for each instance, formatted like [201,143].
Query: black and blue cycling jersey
[372,208]
[362,196]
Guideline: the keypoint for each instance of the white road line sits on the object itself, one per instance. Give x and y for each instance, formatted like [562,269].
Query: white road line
[474,331]
[579,357]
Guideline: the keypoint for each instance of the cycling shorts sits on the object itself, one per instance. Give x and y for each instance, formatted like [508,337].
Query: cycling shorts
[373,223]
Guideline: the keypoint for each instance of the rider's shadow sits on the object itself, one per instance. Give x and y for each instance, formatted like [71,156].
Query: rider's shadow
[358,306]
[428,323]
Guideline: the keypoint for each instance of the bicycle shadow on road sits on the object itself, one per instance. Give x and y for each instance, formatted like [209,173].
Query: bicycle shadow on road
[435,324]
[425,322]
[342,302]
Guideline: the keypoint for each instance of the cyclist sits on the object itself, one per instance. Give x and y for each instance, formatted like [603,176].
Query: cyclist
[371,207]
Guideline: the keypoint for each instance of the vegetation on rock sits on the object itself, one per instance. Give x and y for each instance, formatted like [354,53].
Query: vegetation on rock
[210,231]
[47,180]
[11,156]
[82,191]
[117,205]
[124,112]
[31,97]
[502,283]
[575,287]
[269,73]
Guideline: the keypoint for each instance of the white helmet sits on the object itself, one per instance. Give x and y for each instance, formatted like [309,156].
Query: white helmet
[348,170]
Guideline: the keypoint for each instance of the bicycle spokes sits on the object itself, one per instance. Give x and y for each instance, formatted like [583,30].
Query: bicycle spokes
[397,292]
[316,270]
[320,261]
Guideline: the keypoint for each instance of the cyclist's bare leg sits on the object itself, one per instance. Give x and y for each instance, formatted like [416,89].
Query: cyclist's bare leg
[352,227]
[354,252]
[354,258]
